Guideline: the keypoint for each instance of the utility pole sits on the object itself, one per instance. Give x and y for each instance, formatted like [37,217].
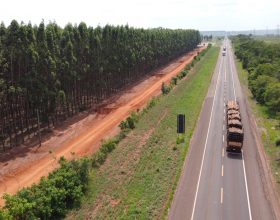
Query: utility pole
[39,128]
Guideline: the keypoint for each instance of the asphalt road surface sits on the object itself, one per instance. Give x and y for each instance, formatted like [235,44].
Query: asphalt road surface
[214,184]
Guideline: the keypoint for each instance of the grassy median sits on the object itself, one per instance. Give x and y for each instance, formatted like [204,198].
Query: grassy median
[138,178]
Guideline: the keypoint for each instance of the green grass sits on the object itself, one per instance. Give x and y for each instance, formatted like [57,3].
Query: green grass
[139,177]
[269,126]
[217,42]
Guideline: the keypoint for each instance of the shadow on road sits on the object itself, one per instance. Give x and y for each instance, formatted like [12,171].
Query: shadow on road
[234,156]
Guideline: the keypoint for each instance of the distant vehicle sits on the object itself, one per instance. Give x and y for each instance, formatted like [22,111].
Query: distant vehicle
[224,53]
[224,48]
[235,133]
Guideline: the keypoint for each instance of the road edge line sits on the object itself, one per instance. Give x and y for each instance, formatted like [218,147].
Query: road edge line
[198,182]
[247,192]
[243,163]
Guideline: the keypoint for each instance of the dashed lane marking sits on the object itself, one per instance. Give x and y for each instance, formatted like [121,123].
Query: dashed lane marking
[244,169]
[222,195]
[203,156]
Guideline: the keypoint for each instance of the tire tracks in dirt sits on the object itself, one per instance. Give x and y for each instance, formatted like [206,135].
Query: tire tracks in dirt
[30,170]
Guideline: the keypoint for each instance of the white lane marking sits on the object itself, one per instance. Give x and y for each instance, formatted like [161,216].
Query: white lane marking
[198,183]
[222,195]
[222,174]
[225,71]
[244,169]
[224,111]
[223,127]
[223,152]
[246,186]
[230,64]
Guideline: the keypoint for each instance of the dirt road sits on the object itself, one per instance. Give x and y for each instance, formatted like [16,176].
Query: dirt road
[25,166]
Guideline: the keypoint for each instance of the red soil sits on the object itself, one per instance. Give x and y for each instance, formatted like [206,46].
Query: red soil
[77,137]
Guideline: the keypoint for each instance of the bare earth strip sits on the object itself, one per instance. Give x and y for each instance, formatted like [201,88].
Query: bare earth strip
[24,166]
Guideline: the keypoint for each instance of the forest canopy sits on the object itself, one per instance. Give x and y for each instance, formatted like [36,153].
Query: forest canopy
[262,61]
[49,73]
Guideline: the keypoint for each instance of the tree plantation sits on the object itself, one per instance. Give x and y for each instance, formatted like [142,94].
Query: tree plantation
[49,73]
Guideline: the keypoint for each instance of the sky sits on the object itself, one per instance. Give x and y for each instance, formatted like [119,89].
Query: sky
[203,15]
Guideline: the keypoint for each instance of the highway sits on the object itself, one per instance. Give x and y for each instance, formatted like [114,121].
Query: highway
[214,184]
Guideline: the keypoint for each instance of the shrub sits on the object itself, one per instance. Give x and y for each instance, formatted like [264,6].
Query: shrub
[272,96]
[202,53]
[108,146]
[94,162]
[123,125]
[98,159]
[121,136]
[135,117]
[165,89]
[188,67]
[277,142]
[151,103]
[174,80]
[101,157]
[180,139]
[53,196]
[130,122]
[182,74]
[4,215]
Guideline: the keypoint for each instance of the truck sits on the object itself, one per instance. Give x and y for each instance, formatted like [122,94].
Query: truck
[224,51]
[235,134]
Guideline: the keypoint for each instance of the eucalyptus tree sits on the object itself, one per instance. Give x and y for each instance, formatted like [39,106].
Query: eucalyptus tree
[54,72]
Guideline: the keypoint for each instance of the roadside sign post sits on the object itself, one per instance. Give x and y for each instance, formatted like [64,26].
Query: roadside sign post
[180,123]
